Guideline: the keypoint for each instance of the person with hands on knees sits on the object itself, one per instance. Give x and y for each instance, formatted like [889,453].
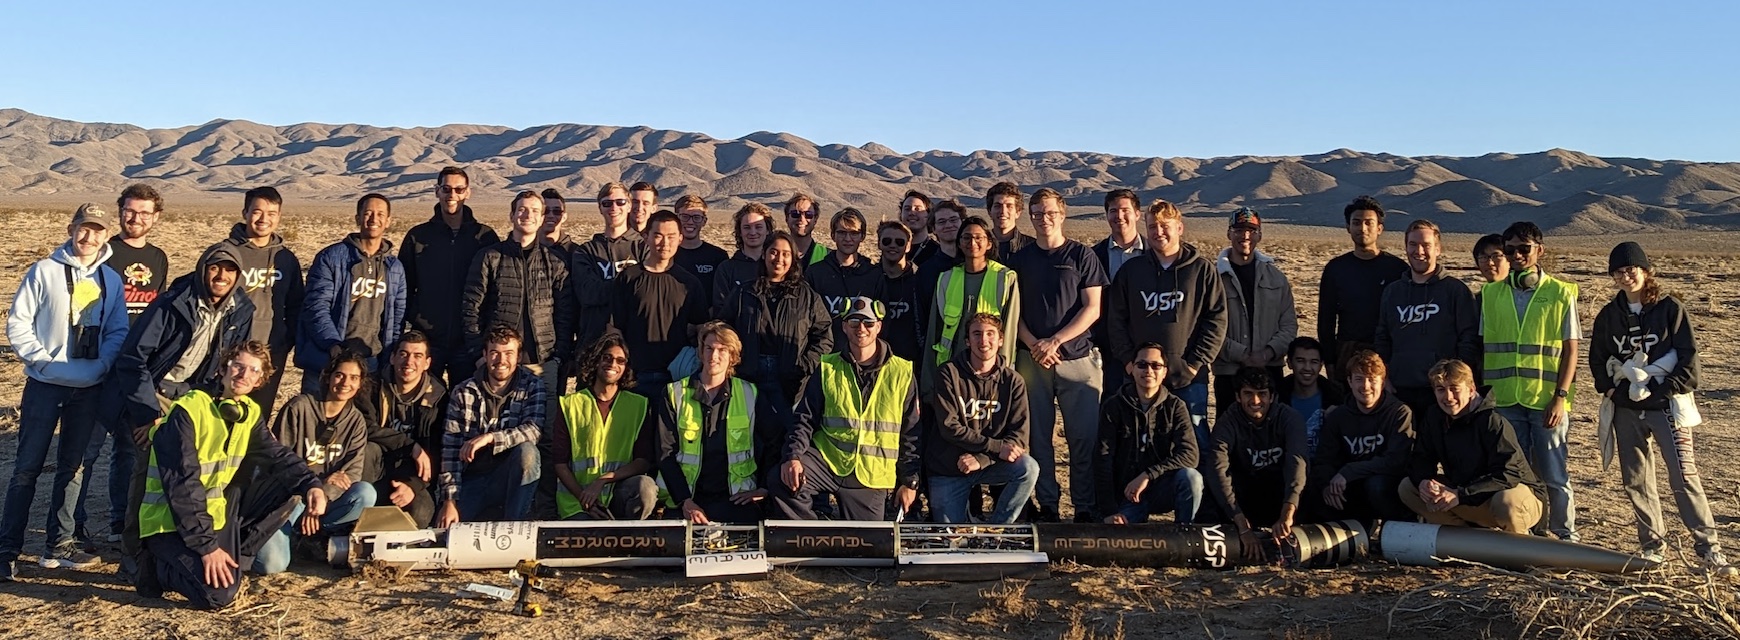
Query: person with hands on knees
[1485,479]
[601,450]
[489,447]
[855,430]
[404,411]
[1363,451]
[330,435]
[715,436]
[1257,458]
[980,437]
[195,541]
[1148,453]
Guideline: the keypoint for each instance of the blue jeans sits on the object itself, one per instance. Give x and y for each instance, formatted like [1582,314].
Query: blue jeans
[948,494]
[42,406]
[1180,491]
[510,485]
[1195,397]
[121,462]
[1545,448]
[346,508]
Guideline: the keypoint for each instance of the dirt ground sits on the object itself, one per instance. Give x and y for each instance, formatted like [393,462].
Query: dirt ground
[1372,599]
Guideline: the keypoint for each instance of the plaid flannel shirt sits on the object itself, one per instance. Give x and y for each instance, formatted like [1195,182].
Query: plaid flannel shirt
[520,420]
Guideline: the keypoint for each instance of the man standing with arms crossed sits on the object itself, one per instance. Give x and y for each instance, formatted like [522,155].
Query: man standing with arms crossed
[1060,302]
[436,256]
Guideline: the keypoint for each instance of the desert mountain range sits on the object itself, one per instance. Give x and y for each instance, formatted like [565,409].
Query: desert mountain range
[1563,191]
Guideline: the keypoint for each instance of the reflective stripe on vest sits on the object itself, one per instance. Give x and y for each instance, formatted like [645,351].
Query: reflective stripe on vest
[597,446]
[860,437]
[1522,356]
[221,449]
[739,435]
[954,297]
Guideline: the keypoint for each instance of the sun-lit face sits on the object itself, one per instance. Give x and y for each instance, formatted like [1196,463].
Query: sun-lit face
[1243,240]
[778,259]
[1122,217]
[1048,215]
[1165,234]
[87,239]
[1364,228]
[893,245]
[715,356]
[1630,279]
[220,278]
[1148,371]
[848,237]
[975,242]
[1423,251]
[641,205]
[915,214]
[527,216]
[555,215]
[1307,364]
[948,225]
[501,359]
[1005,212]
[372,222]
[260,219]
[693,219]
[800,218]
[451,192]
[1453,398]
[862,332]
[346,380]
[1366,390]
[410,361]
[244,374]
[612,365]
[984,340]
[1523,254]
[1493,265]
[663,240]
[753,229]
[1255,403]
[137,218]
[613,207]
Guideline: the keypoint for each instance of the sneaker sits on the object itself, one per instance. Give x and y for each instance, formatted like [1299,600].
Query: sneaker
[8,571]
[1653,554]
[1085,518]
[1717,565]
[69,556]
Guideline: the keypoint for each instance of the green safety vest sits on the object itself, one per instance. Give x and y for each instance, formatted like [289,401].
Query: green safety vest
[595,446]
[860,437]
[954,295]
[1522,355]
[817,253]
[221,448]
[739,435]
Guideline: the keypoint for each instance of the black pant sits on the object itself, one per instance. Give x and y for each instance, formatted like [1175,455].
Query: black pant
[168,563]
[1365,500]
[1419,400]
[856,501]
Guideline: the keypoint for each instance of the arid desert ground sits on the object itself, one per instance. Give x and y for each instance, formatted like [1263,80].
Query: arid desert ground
[1372,599]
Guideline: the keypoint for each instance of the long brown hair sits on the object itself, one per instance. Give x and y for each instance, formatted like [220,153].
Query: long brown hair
[1652,291]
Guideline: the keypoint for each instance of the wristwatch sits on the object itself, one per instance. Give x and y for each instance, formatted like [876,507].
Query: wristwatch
[1560,393]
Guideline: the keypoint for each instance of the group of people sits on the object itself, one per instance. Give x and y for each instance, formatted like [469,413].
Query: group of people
[463,376]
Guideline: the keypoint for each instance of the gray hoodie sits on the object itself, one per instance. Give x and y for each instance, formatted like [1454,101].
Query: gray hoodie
[40,323]
[272,278]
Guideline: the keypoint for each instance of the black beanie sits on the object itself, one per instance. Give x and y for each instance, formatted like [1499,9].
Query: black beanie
[1627,254]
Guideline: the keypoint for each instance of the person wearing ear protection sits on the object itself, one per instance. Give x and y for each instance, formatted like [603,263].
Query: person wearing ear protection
[197,528]
[1530,326]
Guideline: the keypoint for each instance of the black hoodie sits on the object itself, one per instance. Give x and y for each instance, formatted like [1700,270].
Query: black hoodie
[1243,452]
[1139,440]
[1478,452]
[1422,323]
[436,259]
[1182,308]
[1359,444]
[1660,328]
[272,278]
[975,414]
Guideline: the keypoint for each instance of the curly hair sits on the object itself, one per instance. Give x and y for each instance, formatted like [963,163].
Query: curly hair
[595,354]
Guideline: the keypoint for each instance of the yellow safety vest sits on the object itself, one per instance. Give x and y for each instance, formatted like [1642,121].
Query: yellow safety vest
[739,435]
[859,436]
[221,448]
[817,253]
[598,447]
[1522,354]
[991,290]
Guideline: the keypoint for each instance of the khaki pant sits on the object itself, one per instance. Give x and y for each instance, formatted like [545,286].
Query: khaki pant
[1514,510]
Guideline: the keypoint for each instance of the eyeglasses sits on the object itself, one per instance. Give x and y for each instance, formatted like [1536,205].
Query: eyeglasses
[448,189]
[1493,256]
[1150,366]
[619,202]
[1520,249]
[801,214]
[864,322]
[894,242]
[848,233]
[236,365]
[613,360]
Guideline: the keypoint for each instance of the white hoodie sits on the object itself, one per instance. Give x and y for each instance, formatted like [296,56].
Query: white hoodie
[39,324]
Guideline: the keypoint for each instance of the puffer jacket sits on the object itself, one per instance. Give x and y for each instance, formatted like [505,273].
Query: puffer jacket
[522,287]
[326,304]
[786,321]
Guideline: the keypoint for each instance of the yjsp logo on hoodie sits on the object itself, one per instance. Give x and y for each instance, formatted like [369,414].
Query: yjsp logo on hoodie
[1642,343]
[836,304]
[367,288]
[1417,313]
[898,309]
[258,278]
[1262,458]
[980,409]
[1363,445]
[612,269]
[1160,301]
[316,453]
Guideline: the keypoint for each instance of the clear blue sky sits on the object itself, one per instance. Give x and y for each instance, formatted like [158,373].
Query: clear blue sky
[1644,79]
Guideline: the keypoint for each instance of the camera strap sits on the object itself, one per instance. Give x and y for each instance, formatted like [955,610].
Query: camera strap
[102,292]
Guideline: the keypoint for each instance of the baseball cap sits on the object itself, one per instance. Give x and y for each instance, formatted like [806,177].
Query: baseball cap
[862,308]
[93,213]
[1245,217]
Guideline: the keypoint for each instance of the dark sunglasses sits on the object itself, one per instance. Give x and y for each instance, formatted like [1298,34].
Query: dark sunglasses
[894,242]
[619,202]
[1520,249]
[1150,366]
[802,214]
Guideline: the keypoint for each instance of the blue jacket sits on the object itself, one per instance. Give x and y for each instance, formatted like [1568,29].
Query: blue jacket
[326,304]
[161,335]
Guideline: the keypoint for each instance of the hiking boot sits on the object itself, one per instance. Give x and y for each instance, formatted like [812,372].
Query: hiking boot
[1715,564]
[69,556]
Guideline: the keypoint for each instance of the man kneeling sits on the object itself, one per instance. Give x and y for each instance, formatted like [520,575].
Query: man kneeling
[194,542]
[1147,449]
[1362,451]
[981,429]
[602,450]
[1486,481]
